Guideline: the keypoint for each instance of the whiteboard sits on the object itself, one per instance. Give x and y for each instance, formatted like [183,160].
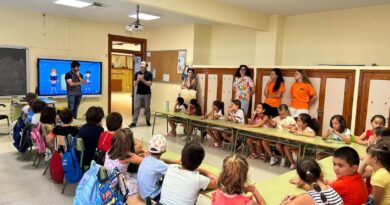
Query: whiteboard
[13,71]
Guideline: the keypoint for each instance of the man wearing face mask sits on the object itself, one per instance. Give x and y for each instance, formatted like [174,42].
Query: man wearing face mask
[74,79]
[143,81]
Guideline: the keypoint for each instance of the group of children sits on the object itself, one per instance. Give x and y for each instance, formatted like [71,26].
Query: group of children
[181,181]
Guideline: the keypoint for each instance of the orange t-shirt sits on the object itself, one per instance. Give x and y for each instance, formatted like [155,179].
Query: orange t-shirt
[300,94]
[352,189]
[274,102]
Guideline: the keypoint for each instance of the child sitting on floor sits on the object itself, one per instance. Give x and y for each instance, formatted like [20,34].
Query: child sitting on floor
[306,126]
[217,113]
[233,183]
[180,106]
[260,118]
[318,192]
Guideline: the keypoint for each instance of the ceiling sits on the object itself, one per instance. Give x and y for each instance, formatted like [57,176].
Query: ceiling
[294,7]
[117,11]
[113,11]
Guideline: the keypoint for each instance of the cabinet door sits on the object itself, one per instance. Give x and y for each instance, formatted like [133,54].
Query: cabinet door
[334,100]
[227,87]
[200,90]
[378,100]
[212,87]
[316,82]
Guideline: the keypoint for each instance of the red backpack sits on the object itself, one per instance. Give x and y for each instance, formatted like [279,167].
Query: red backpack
[56,170]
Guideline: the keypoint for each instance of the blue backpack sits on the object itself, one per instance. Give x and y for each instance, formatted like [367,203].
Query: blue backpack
[111,191]
[17,131]
[70,163]
[87,192]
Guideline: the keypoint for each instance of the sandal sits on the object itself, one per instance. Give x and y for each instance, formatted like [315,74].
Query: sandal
[171,134]
[253,156]
[262,156]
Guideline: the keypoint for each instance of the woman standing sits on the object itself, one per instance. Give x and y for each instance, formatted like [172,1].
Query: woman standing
[273,91]
[302,94]
[243,87]
[190,81]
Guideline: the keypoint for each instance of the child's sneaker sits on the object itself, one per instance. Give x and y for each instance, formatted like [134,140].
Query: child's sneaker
[273,161]
[283,162]
[293,166]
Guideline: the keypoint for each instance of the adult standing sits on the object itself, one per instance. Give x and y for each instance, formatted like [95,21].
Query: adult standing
[74,80]
[143,81]
[302,94]
[273,91]
[243,87]
[190,81]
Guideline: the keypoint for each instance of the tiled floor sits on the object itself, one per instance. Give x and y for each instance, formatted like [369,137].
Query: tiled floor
[20,183]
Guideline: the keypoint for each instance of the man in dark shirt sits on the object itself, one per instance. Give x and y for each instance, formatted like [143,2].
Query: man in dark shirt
[143,81]
[74,79]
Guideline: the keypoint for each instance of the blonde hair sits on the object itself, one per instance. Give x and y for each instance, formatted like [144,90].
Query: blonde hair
[234,175]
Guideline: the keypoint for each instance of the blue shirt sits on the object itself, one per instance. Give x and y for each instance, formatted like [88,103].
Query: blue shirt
[149,173]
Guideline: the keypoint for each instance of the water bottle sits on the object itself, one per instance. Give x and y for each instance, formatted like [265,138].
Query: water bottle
[167,106]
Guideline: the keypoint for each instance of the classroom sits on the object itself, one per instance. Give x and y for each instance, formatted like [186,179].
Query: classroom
[180,102]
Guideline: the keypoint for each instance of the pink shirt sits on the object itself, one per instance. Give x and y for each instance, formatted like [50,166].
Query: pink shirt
[220,198]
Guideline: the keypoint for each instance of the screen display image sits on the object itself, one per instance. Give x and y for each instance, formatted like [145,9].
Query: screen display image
[51,77]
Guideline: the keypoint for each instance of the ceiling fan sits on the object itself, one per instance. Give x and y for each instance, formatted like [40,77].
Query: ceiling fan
[136,25]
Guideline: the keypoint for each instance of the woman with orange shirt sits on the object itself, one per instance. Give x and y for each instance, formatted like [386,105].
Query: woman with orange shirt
[274,90]
[302,94]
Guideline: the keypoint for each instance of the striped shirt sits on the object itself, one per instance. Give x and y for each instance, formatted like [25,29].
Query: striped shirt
[332,197]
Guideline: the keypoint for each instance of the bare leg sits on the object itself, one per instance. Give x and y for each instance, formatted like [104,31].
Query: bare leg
[267,148]
[259,148]
[288,152]
[251,147]
[279,147]
[173,128]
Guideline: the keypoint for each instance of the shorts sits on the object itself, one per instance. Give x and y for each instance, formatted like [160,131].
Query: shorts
[295,112]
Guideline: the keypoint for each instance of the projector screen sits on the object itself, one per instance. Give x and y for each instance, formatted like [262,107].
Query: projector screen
[51,77]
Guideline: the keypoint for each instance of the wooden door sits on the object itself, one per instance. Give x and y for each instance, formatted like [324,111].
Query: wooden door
[374,98]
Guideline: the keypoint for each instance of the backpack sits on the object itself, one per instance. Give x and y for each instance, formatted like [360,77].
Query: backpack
[17,131]
[87,192]
[37,139]
[111,191]
[100,155]
[70,163]
[25,140]
[56,171]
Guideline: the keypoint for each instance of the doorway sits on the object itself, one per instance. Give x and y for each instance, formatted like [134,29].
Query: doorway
[124,57]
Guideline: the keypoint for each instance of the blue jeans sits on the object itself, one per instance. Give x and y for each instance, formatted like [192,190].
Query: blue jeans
[73,104]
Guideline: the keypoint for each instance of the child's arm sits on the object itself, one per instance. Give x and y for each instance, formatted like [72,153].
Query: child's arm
[378,193]
[138,147]
[169,161]
[326,135]
[259,199]
[206,116]
[132,158]
[362,136]
[176,108]
[361,142]
[213,178]
[364,169]
[260,123]
[306,134]
[300,184]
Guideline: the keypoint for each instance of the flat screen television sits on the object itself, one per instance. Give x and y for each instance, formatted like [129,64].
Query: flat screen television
[51,77]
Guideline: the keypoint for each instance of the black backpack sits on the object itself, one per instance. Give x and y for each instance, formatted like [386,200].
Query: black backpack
[25,141]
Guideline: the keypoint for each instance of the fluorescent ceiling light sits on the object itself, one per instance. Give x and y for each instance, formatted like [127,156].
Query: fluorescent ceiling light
[74,3]
[143,16]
